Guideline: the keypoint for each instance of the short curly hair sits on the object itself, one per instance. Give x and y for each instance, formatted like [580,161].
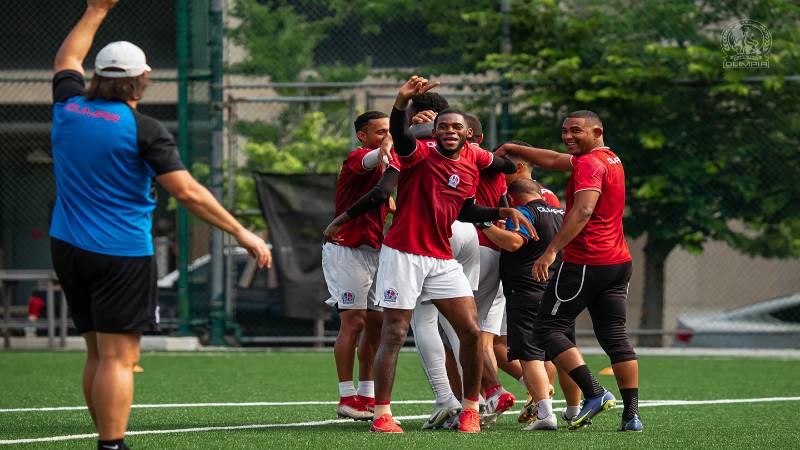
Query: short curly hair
[429,101]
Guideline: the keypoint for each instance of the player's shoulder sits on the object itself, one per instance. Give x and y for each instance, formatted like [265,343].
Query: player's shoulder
[356,154]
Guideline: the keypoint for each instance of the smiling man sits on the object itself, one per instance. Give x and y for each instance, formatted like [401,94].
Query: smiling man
[596,266]
[436,186]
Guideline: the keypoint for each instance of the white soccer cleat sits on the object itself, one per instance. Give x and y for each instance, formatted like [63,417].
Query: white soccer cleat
[441,414]
[548,423]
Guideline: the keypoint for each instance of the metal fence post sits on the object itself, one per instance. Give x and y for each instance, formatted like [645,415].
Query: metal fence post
[217,113]
[183,144]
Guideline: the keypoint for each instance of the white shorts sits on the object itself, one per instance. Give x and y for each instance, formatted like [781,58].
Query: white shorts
[404,278]
[490,299]
[350,275]
[464,243]
[503,326]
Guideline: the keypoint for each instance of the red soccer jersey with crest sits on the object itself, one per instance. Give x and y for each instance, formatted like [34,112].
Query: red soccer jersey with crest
[491,186]
[550,198]
[430,193]
[354,181]
[602,241]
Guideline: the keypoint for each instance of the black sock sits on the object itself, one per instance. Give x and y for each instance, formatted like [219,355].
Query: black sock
[630,399]
[116,444]
[584,379]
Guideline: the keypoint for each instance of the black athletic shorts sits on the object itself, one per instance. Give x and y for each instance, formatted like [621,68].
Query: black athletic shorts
[108,294]
[603,290]
[521,312]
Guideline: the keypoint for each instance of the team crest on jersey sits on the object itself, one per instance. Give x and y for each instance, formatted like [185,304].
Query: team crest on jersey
[348,298]
[390,295]
[453,181]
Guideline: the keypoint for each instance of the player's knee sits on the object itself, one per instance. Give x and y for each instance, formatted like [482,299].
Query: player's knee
[353,323]
[618,350]
[470,334]
[394,334]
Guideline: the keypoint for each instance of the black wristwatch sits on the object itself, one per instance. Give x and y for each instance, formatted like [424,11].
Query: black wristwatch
[483,225]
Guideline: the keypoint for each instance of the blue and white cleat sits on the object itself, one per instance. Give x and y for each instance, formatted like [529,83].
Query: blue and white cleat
[632,424]
[591,407]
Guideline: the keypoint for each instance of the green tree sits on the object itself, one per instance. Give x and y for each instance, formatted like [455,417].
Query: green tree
[708,153]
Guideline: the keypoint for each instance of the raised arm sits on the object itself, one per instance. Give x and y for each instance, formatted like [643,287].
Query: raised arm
[538,156]
[404,141]
[76,46]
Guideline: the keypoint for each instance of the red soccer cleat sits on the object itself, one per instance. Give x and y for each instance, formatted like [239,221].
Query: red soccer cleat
[367,402]
[469,421]
[385,424]
[352,408]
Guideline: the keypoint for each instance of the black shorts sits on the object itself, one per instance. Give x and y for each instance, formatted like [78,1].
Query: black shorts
[603,290]
[521,312]
[108,294]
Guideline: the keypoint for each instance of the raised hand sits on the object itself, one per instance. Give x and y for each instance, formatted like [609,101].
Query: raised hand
[415,85]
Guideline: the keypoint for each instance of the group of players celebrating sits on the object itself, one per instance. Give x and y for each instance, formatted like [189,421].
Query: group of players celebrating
[473,262]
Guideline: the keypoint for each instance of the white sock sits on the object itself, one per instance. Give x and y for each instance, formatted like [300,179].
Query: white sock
[346,389]
[572,411]
[382,409]
[425,324]
[366,388]
[545,408]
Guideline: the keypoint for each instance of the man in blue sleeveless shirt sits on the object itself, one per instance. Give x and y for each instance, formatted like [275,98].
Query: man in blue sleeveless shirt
[105,154]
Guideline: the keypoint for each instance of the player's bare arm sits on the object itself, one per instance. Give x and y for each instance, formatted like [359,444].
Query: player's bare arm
[199,201]
[507,240]
[548,159]
[76,46]
[574,221]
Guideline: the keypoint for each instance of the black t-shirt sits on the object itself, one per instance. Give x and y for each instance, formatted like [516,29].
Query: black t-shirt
[516,268]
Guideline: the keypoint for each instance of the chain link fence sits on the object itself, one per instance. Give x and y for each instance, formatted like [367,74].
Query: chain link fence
[697,101]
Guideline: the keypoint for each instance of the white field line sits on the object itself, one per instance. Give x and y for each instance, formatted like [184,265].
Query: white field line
[395,402]
[651,403]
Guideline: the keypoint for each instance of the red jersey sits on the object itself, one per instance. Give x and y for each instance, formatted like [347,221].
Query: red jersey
[491,186]
[602,241]
[430,193]
[354,181]
[550,198]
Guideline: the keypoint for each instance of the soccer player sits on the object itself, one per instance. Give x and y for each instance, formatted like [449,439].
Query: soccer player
[572,393]
[434,186]
[596,266]
[491,302]
[349,263]
[105,153]
[523,293]
[425,322]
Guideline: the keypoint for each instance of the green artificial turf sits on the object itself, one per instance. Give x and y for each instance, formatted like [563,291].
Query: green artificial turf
[52,379]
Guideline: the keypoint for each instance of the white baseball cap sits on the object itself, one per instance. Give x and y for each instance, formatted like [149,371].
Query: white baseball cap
[120,55]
